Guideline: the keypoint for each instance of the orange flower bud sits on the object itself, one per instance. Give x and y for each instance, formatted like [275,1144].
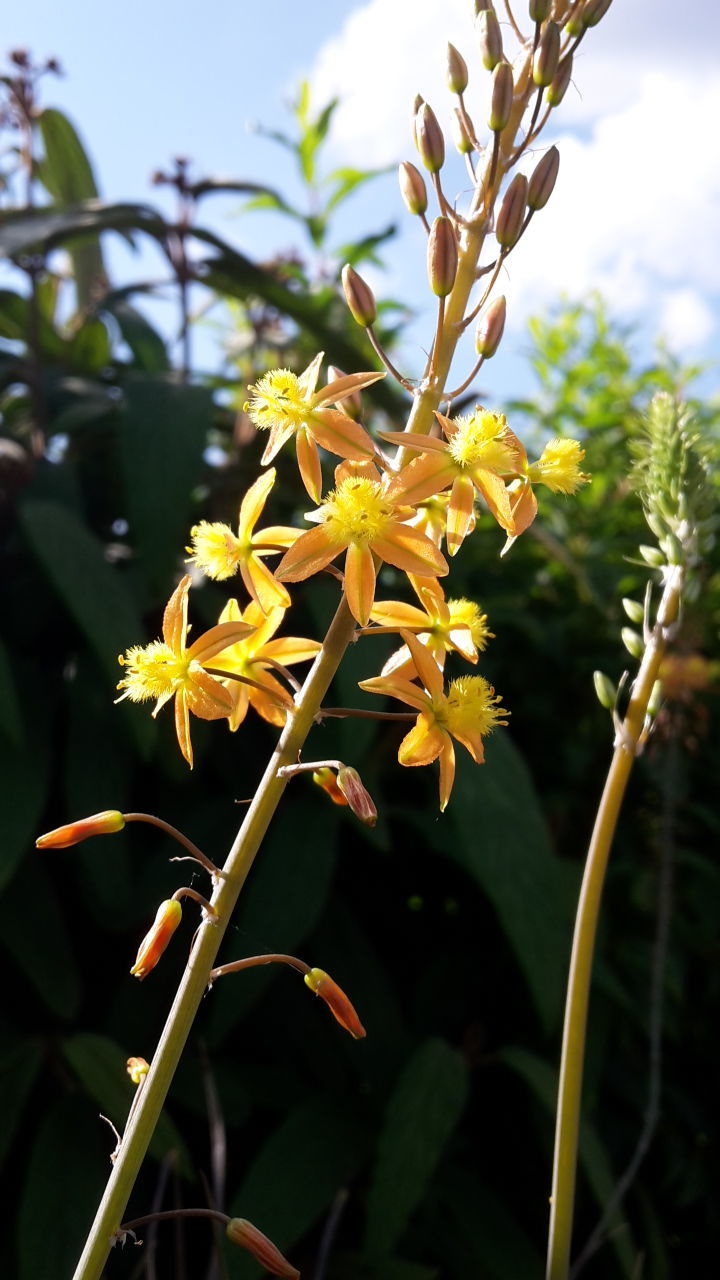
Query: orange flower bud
[512,212]
[326,779]
[442,257]
[137,1069]
[539,10]
[356,796]
[100,824]
[547,55]
[359,297]
[337,1002]
[461,137]
[502,97]
[412,188]
[490,328]
[169,915]
[490,37]
[240,1231]
[594,11]
[429,139]
[457,72]
[544,177]
[557,90]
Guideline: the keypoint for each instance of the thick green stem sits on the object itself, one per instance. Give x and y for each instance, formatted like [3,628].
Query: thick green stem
[572,1059]
[195,979]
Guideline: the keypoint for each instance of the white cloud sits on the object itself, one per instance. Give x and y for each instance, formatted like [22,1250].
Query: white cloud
[637,205]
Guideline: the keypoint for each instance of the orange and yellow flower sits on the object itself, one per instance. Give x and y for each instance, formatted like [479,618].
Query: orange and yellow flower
[441,625]
[253,657]
[287,404]
[155,942]
[358,517]
[468,712]
[219,553]
[168,668]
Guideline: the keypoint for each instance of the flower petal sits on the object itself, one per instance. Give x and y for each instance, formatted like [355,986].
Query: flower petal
[396,613]
[422,744]
[216,639]
[496,496]
[396,687]
[174,625]
[263,585]
[447,772]
[289,649]
[307,380]
[410,550]
[311,553]
[414,440]
[308,460]
[461,513]
[240,703]
[272,537]
[266,704]
[253,503]
[343,387]
[182,727]
[422,478]
[431,676]
[279,433]
[339,434]
[206,697]
[360,581]
[524,509]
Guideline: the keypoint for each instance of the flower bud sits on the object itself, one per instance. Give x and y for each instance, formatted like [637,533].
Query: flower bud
[490,38]
[137,1069]
[412,188]
[594,11]
[359,297]
[457,72]
[490,328]
[417,103]
[544,177]
[655,700]
[557,90]
[633,609]
[575,25]
[633,642]
[652,556]
[605,690]
[429,139]
[240,1231]
[502,97]
[539,10]
[169,915]
[350,405]
[442,257]
[512,212]
[357,797]
[100,824]
[463,142]
[326,779]
[547,55]
[337,1002]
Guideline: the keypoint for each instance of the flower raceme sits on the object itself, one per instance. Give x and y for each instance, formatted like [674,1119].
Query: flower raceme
[252,657]
[287,404]
[360,518]
[467,712]
[169,668]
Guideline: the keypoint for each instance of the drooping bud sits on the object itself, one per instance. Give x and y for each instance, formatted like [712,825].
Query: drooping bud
[605,690]
[429,139]
[490,328]
[442,257]
[633,609]
[512,212]
[490,38]
[358,798]
[99,824]
[359,297]
[594,11]
[137,1069]
[350,405]
[326,779]
[502,97]
[547,55]
[544,177]
[463,142]
[457,72]
[169,915]
[241,1232]
[633,642]
[337,1002]
[557,90]
[412,188]
[539,10]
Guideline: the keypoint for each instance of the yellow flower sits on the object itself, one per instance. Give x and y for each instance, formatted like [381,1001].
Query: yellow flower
[167,669]
[358,517]
[479,453]
[286,404]
[442,626]
[253,657]
[558,466]
[468,712]
[219,553]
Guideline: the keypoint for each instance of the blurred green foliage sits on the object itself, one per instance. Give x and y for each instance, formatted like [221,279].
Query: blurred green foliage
[429,1144]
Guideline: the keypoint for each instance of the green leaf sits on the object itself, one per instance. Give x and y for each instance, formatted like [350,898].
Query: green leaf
[23,787]
[44,228]
[346,181]
[15,322]
[68,176]
[11,723]
[422,1113]
[20,1060]
[499,837]
[298,1173]
[67,1171]
[36,935]
[145,342]
[162,432]
[100,1065]
[476,1235]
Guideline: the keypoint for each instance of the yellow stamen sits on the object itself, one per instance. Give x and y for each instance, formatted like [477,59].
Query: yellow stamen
[357,511]
[152,671]
[471,707]
[215,549]
[480,441]
[559,466]
[467,612]
[277,401]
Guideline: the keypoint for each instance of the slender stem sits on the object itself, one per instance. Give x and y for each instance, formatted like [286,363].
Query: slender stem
[513,23]
[166,1215]
[195,853]
[186,892]
[452,395]
[341,713]
[251,962]
[194,981]
[382,355]
[581,960]
[311,766]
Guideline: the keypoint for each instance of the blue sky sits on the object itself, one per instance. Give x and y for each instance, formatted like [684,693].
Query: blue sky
[636,210]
